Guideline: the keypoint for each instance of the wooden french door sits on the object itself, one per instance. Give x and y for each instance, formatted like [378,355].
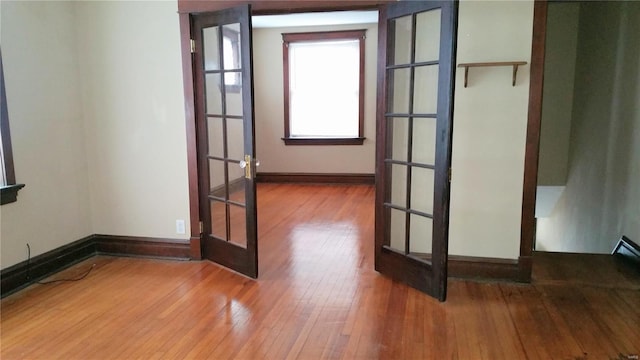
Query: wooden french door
[417,44]
[225,137]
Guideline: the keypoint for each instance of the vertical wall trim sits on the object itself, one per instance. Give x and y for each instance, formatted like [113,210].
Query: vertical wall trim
[527,233]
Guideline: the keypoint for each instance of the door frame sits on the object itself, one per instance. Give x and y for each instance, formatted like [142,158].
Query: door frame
[532,149]
[185,9]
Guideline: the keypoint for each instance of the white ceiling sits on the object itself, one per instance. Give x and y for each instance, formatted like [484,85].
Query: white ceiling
[315,19]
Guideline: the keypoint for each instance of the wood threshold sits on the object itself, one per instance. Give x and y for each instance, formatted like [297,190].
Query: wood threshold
[481,268]
[315,178]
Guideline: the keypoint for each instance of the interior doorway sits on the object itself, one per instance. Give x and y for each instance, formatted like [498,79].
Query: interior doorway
[413,100]
[588,173]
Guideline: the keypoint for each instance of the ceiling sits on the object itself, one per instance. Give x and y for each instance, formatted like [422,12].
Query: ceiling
[315,19]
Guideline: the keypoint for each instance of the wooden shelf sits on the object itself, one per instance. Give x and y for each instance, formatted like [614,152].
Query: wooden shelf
[515,65]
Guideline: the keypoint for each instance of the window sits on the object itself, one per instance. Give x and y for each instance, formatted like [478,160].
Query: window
[8,187]
[324,88]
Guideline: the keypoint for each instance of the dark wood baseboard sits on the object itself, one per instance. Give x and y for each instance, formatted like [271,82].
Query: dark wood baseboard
[313,178]
[195,248]
[470,267]
[525,268]
[27,272]
[142,246]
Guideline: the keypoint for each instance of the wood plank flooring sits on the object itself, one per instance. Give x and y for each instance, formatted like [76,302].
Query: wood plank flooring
[317,297]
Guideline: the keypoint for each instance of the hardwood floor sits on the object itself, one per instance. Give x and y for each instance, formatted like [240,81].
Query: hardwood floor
[317,297]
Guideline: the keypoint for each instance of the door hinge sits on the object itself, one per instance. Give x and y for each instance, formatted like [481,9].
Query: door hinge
[201,227]
[449,174]
[193,46]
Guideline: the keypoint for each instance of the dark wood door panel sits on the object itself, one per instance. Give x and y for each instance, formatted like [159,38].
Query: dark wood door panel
[415,102]
[225,138]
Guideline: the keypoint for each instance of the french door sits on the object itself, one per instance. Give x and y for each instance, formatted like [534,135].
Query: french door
[225,138]
[417,42]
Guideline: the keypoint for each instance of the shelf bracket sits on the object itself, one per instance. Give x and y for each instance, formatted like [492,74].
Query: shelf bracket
[514,64]
[515,71]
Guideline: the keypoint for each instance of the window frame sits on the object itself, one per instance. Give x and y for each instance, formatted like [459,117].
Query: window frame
[287,38]
[8,189]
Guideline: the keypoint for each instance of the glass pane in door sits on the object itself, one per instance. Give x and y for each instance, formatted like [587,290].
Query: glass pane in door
[399,130]
[422,189]
[420,236]
[235,130]
[428,36]
[399,91]
[215,132]
[233,95]
[218,222]
[238,219]
[397,230]
[425,90]
[213,92]
[402,48]
[217,179]
[424,148]
[211,51]
[236,184]
[399,185]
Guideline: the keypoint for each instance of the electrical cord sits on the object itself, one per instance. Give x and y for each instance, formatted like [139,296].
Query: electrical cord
[57,280]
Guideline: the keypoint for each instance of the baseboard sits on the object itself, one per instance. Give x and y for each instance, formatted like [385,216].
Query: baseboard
[26,272]
[142,246]
[471,267]
[627,249]
[316,178]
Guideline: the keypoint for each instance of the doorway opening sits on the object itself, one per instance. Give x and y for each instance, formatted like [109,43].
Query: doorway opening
[413,111]
[587,195]
[324,192]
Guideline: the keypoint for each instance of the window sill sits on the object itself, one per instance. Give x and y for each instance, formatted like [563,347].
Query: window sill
[323,141]
[9,193]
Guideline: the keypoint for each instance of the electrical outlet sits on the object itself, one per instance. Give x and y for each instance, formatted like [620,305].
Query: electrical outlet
[180,228]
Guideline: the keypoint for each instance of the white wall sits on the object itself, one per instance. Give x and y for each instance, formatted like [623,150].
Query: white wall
[133,100]
[96,110]
[47,132]
[602,199]
[274,156]
[489,129]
